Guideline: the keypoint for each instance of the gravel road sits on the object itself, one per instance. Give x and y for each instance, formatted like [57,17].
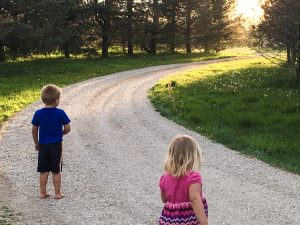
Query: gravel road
[113,161]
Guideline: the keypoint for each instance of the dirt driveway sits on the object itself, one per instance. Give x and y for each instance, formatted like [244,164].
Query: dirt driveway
[113,162]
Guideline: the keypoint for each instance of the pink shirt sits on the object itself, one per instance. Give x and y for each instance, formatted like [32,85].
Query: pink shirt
[176,189]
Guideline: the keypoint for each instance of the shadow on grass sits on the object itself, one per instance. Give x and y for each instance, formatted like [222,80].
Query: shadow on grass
[255,110]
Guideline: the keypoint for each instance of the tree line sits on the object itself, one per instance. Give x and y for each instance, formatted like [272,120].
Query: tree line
[82,26]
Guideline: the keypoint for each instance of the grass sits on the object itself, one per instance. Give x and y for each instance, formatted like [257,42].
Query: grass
[21,81]
[252,106]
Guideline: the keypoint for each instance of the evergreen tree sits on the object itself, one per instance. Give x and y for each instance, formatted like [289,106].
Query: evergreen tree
[188,17]
[188,20]
[130,26]
[147,25]
[62,26]
[16,34]
[170,11]
[212,29]
[154,26]
[280,29]
[103,12]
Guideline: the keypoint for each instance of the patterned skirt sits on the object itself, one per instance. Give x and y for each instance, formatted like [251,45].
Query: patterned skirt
[180,214]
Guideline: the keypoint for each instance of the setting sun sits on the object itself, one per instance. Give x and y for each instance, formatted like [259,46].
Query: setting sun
[250,10]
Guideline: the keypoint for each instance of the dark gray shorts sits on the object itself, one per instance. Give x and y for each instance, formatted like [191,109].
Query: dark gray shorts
[49,158]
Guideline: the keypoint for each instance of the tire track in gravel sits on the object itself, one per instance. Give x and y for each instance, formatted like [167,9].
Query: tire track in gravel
[113,161]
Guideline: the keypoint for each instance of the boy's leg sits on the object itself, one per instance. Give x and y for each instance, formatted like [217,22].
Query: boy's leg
[57,185]
[55,169]
[43,184]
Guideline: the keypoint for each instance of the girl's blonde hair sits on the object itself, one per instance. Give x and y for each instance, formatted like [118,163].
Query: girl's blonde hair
[183,155]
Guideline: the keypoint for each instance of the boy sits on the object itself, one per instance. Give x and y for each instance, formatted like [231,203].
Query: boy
[49,124]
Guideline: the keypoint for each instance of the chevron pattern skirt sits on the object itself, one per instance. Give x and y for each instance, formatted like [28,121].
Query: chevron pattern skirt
[180,214]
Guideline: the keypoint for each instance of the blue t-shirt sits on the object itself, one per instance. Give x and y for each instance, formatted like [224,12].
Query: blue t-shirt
[50,122]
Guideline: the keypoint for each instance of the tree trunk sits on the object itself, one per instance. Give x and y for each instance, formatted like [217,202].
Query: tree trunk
[188,27]
[206,48]
[298,73]
[173,28]
[153,43]
[293,56]
[123,46]
[288,54]
[2,53]
[106,28]
[130,28]
[298,53]
[67,50]
[105,44]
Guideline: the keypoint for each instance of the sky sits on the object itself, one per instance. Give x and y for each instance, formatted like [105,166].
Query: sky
[250,9]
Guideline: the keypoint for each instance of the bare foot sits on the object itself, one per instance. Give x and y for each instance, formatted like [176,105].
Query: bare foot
[58,196]
[43,196]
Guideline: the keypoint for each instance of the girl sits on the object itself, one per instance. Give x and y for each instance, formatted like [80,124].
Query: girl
[181,185]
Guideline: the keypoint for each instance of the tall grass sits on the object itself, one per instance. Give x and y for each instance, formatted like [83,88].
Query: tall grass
[252,106]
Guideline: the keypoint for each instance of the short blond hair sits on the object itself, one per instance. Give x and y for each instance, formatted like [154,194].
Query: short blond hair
[50,93]
[183,155]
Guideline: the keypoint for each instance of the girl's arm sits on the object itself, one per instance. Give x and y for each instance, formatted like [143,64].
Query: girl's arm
[163,197]
[197,204]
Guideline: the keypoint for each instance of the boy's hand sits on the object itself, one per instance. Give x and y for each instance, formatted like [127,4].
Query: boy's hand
[67,129]
[37,147]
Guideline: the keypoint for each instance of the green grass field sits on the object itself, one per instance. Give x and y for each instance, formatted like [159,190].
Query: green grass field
[252,106]
[21,81]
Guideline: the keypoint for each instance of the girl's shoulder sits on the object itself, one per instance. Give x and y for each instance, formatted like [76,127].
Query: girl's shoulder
[165,176]
[163,180]
[191,176]
[194,177]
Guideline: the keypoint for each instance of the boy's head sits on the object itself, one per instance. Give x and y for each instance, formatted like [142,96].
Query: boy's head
[50,94]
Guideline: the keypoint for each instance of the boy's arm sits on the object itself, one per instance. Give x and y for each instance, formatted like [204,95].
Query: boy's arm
[197,204]
[35,131]
[67,129]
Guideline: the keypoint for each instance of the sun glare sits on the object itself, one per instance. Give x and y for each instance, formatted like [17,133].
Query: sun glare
[250,10]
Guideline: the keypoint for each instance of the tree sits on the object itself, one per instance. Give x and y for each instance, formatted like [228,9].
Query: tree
[149,18]
[239,33]
[103,12]
[5,21]
[188,19]
[147,24]
[186,22]
[213,23]
[16,34]
[73,26]
[154,27]
[280,29]
[41,26]
[170,10]
[62,27]
[130,26]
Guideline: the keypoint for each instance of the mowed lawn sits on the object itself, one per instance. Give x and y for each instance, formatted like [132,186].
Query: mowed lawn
[21,81]
[252,106]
